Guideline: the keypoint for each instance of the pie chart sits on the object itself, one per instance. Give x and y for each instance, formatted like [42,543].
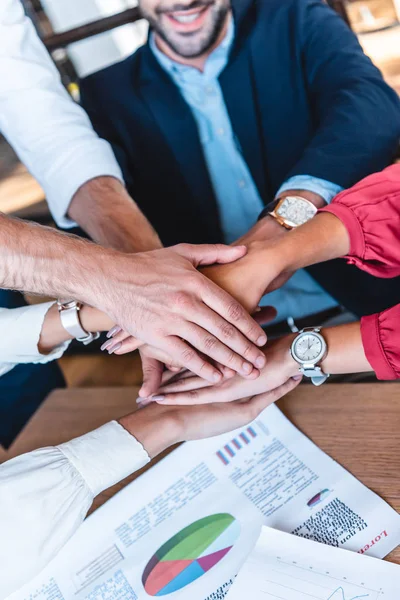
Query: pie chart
[189,554]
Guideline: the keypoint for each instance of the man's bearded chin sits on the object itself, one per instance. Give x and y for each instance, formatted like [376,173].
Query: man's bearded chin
[192,45]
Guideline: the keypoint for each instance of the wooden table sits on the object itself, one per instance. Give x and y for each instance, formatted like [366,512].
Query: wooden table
[358,425]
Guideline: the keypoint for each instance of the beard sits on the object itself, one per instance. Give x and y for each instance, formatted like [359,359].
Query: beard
[193,44]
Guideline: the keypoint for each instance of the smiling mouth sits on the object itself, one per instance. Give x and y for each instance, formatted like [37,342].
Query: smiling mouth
[188,17]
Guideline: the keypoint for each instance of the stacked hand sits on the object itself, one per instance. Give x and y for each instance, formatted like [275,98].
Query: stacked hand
[158,427]
[186,389]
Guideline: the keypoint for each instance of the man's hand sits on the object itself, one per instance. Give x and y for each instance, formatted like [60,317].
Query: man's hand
[280,368]
[161,299]
[158,427]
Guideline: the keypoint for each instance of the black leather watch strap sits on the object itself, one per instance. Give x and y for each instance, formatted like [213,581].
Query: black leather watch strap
[268,209]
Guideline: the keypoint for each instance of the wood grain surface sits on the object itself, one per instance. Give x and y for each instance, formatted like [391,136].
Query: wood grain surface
[356,424]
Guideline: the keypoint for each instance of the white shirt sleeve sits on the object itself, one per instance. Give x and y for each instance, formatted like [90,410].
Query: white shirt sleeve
[45,496]
[20,330]
[51,134]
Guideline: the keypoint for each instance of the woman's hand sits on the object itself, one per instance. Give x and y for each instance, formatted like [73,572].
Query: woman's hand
[158,427]
[186,390]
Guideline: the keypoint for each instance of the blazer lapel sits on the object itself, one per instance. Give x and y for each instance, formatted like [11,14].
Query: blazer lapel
[177,125]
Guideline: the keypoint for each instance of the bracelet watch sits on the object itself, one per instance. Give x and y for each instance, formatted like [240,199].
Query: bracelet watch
[70,320]
[309,349]
[291,211]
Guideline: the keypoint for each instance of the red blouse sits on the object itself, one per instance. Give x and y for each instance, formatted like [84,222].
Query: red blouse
[370,212]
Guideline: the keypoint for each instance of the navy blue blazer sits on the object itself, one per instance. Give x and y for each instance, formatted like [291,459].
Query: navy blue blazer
[302,97]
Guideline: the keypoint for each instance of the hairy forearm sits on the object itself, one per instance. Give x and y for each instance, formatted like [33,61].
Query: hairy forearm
[104,209]
[46,262]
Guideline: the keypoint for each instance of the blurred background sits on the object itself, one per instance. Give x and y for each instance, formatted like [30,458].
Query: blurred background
[84,36]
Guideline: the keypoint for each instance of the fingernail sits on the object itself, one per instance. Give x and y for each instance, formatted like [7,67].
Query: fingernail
[116,329]
[297,377]
[158,398]
[107,344]
[260,362]
[144,403]
[114,348]
[262,340]
[217,377]
[247,368]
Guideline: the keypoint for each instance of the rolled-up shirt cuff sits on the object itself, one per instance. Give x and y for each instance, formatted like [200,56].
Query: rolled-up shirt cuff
[88,161]
[354,229]
[326,189]
[105,456]
[380,335]
[21,331]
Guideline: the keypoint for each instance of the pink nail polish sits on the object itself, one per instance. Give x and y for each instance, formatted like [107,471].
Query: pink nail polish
[140,400]
[116,329]
[114,348]
[158,398]
[106,345]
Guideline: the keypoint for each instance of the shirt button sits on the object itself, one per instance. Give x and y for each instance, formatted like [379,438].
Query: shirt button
[242,183]
[221,131]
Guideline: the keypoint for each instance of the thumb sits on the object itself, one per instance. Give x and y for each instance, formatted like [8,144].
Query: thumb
[152,375]
[210,254]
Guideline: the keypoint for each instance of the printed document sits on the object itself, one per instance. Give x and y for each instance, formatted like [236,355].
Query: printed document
[291,568]
[185,527]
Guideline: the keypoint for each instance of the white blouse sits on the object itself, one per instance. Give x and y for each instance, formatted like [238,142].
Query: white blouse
[51,134]
[45,495]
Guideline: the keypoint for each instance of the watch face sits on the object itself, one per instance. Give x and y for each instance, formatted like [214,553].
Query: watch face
[308,348]
[296,211]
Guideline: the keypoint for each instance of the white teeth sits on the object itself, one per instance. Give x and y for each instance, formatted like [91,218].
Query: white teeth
[186,18]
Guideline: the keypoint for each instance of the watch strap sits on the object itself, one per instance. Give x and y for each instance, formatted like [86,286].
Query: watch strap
[69,316]
[316,374]
[269,208]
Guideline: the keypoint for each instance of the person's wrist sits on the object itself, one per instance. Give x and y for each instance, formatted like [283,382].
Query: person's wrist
[155,427]
[289,365]
[93,319]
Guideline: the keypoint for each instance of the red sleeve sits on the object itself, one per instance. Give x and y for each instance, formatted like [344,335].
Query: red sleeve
[370,211]
[381,339]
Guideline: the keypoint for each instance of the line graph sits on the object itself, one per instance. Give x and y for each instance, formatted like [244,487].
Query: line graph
[286,567]
[339,594]
[289,580]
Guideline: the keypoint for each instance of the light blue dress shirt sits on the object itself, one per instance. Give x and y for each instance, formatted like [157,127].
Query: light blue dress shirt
[238,200]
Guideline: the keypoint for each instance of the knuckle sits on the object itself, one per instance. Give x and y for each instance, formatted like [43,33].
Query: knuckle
[247,351]
[182,300]
[228,332]
[235,311]
[210,344]
[231,358]
[253,333]
[188,355]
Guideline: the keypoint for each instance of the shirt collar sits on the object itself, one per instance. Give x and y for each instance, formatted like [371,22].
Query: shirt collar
[216,62]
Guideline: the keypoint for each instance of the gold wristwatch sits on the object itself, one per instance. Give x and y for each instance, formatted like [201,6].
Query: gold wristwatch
[292,211]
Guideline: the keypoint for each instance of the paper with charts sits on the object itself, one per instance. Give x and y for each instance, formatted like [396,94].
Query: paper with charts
[185,527]
[291,568]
